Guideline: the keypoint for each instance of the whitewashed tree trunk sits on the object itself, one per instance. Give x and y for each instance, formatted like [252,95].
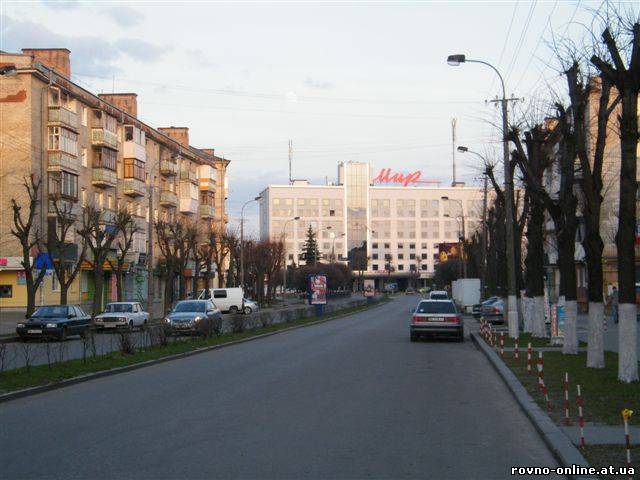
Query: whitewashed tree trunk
[514,330]
[539,328]
[527,313]
[595,346]
[628,339]
[570,346]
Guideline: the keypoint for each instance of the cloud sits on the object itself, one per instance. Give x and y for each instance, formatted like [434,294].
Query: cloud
[318,84]
[90,55]
[61,5]
[200,57]
[124,16]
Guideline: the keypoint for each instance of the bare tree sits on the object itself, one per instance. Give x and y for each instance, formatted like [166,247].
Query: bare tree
[61,245]
[25,230]
[176,240]
[128,228]
[626,80]
[99,234]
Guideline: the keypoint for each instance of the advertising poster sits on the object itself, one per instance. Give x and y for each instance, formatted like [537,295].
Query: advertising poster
[448,251]
[369,288]
[317,289]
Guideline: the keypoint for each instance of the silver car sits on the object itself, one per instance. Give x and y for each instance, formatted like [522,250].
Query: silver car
[192,317]
[437,318]
[249,306]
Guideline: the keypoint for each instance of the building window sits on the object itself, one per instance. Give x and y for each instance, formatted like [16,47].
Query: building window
[374,245]
[83,197]
[400,246]
[374,256]
[84,116]
[6,291]
[55,285]
[134,134]
[423,256]
[400,267]
[374,267]
[412,256]
[332,213]
[423,267]
[400,256]
[423,246]
[134,168]
[387,245]
[105,158]
[64,184]
[85,162]
[412,246]
[63,140]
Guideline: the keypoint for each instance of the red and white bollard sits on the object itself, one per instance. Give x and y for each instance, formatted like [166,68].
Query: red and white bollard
[580,403]
[566,399]
[529,352]
[502,344]
[516,354]
[541,384]
[493,338]
[626,415]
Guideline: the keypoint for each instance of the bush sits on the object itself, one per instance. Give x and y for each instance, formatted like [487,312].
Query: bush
[127,345]
[237,323]
[266,320]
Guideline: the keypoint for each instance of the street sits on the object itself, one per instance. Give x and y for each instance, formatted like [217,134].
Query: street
[350,398]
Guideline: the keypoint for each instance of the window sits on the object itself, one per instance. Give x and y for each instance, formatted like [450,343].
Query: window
[412,256]
[400,256]
[400,246]
[6,291]
[423,246]
[412,246]
[105,158]
[400,267]
[219,294]
[84,157]
[332,213]
[83,197]
[84,116]
[423,256]
[63,140]
[374,245]
[374,256]
[374,267]
[64,184]
[387,245]
[134,168]
[423,267]
[134,134]
[55,285]
[110,202]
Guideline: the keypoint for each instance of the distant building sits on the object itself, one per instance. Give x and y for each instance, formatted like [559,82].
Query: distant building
[400,224]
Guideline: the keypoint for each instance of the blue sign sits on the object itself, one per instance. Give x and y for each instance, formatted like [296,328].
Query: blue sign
[43,261]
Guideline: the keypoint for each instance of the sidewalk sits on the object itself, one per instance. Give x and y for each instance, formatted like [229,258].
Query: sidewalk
[602,434]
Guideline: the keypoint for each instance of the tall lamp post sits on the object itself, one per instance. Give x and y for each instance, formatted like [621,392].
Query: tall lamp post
[242,238]
[512,315]
[483,277]
[284,239]
[464,235]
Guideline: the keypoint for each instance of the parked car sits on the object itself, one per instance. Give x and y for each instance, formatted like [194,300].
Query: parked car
[249,306]
[476,310]
[226,299]
[122,315]
[409,291]
[438,318]
[438,295]
[494,312]
[57,321]
[192,317]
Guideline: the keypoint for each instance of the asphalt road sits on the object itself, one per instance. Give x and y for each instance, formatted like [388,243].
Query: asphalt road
[350,398]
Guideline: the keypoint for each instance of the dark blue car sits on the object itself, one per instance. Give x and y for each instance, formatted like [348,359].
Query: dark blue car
[55,321]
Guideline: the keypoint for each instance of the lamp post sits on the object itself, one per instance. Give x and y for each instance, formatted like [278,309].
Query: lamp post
[462,259]
[242,238]
[284,239]
[483,277]
[512,310]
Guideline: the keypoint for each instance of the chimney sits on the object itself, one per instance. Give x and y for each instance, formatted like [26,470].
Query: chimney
[56,58]
[179,134]
[127,102]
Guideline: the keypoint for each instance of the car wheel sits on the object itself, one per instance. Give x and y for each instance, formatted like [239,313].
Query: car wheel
[247,310]
[233,310]
[63,334]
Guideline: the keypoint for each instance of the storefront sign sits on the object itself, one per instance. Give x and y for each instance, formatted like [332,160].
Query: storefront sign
[21,278]
[405,179]
[11,263]
[317,289]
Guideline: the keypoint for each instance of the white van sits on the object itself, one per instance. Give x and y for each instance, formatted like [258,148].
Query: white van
[226,299]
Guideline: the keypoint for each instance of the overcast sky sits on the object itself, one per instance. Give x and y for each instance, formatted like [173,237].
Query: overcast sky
[344,81]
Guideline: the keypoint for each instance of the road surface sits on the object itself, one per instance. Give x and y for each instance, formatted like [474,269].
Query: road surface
[350,398]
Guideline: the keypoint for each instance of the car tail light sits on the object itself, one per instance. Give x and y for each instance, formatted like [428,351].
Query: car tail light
[415,318]
[496,310]
[457,319]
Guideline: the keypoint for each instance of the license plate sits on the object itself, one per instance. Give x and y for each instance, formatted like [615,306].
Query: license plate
[34,331]
[436,319]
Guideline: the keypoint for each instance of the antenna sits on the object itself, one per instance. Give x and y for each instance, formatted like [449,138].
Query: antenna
[290,158]
[454,121]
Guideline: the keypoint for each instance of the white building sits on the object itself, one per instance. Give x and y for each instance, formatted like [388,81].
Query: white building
[398,223]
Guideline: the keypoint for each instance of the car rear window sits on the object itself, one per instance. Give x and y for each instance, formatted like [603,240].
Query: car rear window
[439,296]
[436,307]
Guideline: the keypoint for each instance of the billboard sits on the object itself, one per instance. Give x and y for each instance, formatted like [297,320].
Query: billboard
[448,251]
[317,289]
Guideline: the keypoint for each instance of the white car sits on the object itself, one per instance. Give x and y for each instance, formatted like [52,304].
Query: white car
[438,295]
[122,315]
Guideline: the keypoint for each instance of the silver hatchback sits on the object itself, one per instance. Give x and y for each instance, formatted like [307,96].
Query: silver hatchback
[436,318]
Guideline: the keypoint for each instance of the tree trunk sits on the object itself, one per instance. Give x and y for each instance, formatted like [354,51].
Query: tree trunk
[593,247]
[625,238]
[568,291]
[98,282]
[534,263]
[64,289]
[119,286]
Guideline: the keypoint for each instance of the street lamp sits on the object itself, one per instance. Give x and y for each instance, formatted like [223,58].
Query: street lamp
[512,315]
[462,259]
[242,238]
[284,238]
[483,279]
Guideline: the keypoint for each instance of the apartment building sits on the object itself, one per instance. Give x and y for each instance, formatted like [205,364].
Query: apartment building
[94,150]
[399,225]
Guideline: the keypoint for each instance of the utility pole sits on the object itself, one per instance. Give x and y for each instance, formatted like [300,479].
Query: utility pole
[242,238]
[150,251]
[483,277]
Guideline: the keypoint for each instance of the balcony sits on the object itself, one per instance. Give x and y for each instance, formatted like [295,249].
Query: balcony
[189,176]
[168,198]
[101,137]
[59,161]
[207,211]
[131,149]
[134,187]
[104,178]
[207,184]
[188,206]
[108,216]
[65,205]
[168,168]
[64,117]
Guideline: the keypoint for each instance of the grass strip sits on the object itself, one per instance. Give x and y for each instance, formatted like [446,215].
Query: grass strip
[600,456]
[33,376]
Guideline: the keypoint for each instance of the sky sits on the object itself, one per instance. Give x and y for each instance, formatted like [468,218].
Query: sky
[361,81]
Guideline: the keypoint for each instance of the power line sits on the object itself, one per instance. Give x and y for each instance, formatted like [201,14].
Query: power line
[514,58]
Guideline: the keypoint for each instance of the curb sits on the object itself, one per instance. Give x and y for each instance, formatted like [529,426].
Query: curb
[27,392]
[559,444]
